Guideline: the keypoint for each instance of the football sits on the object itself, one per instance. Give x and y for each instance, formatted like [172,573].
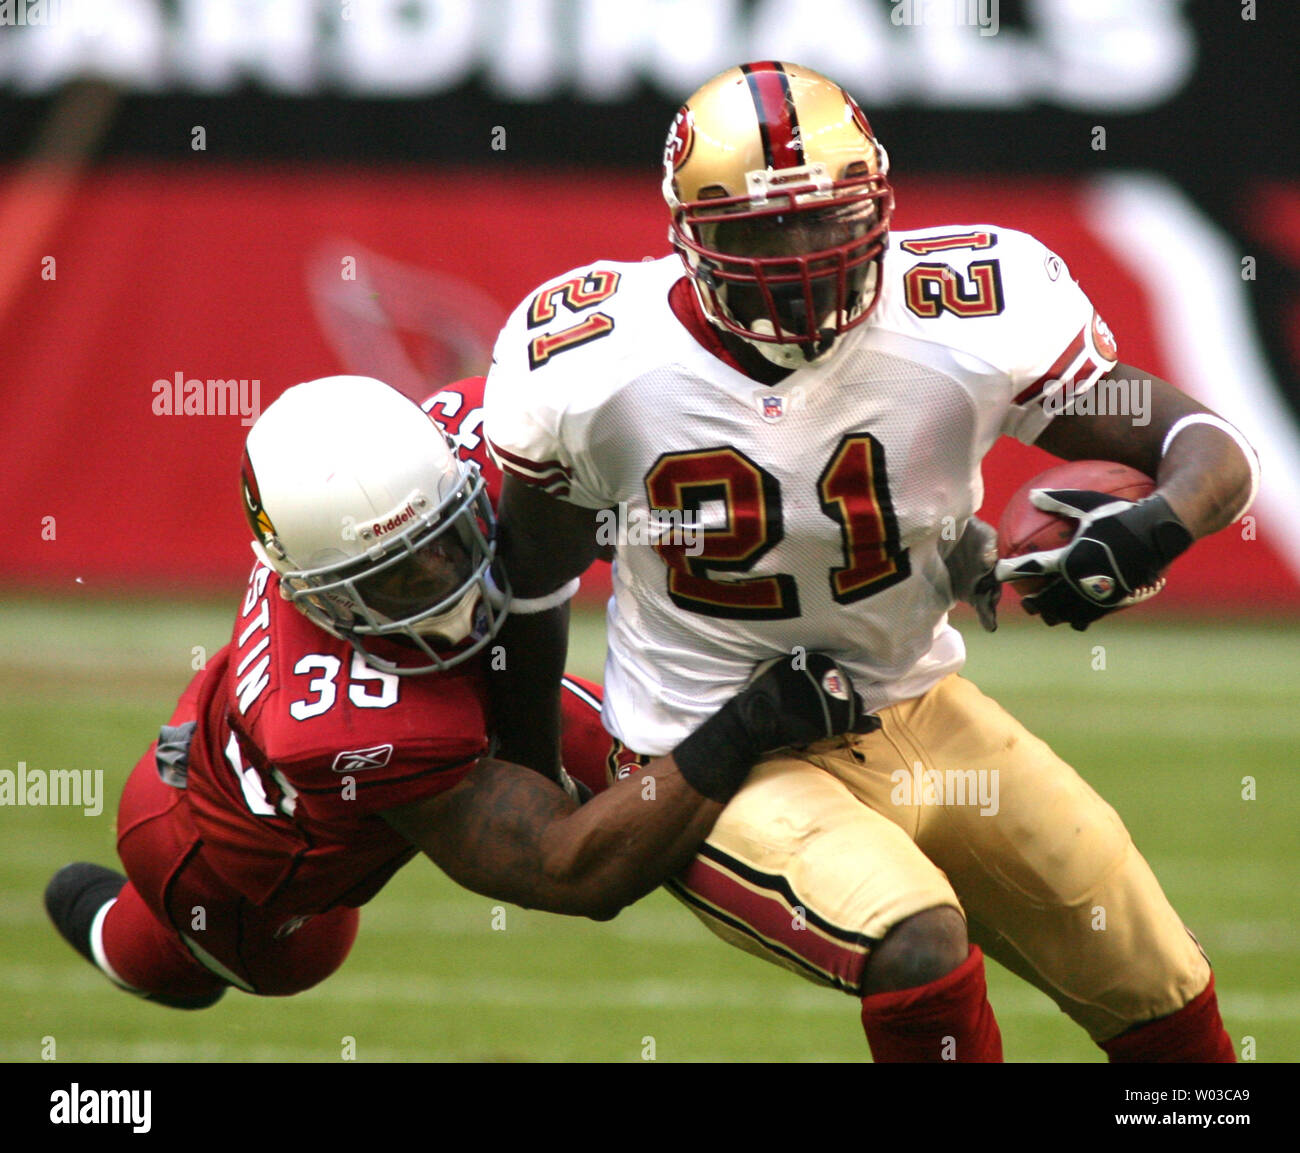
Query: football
[1024,528]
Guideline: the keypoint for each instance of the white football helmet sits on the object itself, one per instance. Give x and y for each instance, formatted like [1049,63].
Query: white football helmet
[377,529]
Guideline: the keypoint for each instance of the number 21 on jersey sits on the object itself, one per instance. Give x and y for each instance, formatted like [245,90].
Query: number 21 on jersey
[577,294]
[853,490]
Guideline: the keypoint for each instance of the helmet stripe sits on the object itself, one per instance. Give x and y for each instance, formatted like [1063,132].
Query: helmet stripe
[778,124]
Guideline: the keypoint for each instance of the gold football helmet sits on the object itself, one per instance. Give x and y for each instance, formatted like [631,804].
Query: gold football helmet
[780,207]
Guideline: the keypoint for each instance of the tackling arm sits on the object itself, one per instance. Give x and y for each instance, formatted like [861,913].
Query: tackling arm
[507,832]
[510,834]
[545,543]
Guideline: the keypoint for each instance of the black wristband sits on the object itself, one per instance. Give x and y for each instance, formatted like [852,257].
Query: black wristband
[717,757]
[1157,526]
[791,703]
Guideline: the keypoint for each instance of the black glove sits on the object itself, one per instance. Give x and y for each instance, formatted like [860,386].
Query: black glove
[792,701]
[796,701]
[970,571]
[1114,560]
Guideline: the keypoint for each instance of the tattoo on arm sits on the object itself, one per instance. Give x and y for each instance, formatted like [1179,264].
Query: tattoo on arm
[487,834]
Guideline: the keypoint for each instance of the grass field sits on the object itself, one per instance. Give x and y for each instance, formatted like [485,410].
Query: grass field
[1180,713]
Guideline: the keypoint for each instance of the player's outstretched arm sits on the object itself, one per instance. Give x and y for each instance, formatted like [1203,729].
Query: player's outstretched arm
[509,833]
[545,543]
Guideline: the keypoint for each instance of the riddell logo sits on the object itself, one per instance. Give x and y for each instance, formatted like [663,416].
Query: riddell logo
[382,528]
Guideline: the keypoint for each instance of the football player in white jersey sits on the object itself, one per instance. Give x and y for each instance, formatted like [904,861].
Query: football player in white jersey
[779,429]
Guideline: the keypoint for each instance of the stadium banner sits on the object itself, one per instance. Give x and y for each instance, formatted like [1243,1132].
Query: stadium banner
[180,305]
[203,202]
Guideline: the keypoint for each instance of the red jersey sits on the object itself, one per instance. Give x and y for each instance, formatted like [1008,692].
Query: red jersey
[301,744]
[459,409]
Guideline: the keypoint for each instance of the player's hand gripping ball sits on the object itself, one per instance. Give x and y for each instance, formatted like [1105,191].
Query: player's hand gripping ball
[1086,538]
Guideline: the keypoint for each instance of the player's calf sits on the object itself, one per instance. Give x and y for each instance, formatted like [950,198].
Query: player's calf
[78,900]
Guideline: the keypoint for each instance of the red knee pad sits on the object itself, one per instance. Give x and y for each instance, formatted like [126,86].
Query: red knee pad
[1195,1033]
[947,1020]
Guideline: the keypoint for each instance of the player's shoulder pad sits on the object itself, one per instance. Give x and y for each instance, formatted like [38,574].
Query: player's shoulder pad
[984,289]
[580,335]
[963,246]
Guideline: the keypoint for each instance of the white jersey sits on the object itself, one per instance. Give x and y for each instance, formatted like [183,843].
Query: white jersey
[751,518]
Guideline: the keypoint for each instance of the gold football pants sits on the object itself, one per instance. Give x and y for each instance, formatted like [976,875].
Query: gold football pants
[952,802]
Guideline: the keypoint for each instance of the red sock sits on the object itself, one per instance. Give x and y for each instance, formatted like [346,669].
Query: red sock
[947,1020]
[147,955]
[1194,1033]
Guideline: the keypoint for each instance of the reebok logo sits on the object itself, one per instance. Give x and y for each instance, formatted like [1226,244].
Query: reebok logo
[357,760]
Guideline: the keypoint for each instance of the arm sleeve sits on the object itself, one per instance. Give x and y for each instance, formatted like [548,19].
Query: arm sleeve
[1060,346]
[536,419]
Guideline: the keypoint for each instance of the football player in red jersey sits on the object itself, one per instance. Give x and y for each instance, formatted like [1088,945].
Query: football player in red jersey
[344,728]
[816,393]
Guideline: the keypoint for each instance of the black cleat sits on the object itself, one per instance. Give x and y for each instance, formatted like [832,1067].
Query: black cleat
[74,897]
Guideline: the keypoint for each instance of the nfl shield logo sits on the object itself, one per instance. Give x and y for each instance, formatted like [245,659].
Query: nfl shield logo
[833,684]
[773,407]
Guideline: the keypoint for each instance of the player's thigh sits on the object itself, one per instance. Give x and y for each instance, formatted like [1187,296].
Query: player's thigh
[273,951]
[587,751]
[1048,874]
[798,871]
[269,952]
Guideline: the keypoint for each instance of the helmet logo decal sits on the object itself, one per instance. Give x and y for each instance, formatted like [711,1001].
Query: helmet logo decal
[681,139]
[859,117]
[778,125]
[1103,339]
[258,521]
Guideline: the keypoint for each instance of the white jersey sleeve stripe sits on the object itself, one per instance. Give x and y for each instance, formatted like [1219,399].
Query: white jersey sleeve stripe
[539,469]
[1055,373]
